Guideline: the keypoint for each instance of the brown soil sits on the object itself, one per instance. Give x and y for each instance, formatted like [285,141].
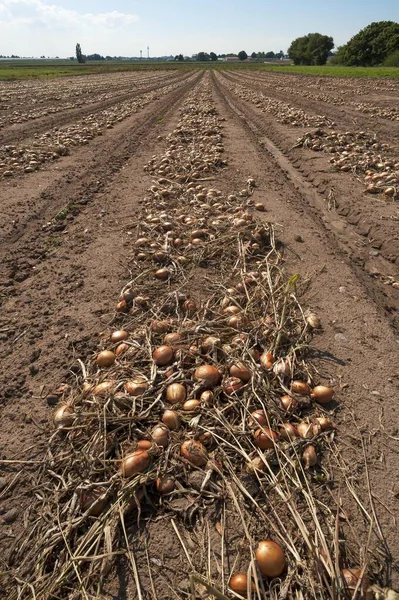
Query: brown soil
[59,280]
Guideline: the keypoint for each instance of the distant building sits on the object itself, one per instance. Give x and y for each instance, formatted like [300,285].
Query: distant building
[230,58]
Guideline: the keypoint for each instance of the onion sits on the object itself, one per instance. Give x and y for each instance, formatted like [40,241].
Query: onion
[207,396]
[104,388]
[121,348]
[106,358]
[309,457]
[270,558]
[265,438]
[231,310]
[322,394]
[289,404]
[121,307]
[165,485]
[210,343]
[171,338]
[236,322]
[160,326]
[190,306]
[171,419]
[207,375]
[266,360]
[136,462]
[160,257]
[352,576]
[160,435]
[89,501]
[240,339]
[191,405]
[305,430]
[241,371]
[163,355]
[63,416]
[258,417]
[162,274]
[194,452]
[176,393]
[136,387]
[288,432]
[313,321]
[301,388]
[144,444]
[232,385]
[119,336]
[281,368]
[325,423]
[256,465]
[239,584]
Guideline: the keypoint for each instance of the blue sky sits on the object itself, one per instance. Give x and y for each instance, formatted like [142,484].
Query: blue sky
[122,27]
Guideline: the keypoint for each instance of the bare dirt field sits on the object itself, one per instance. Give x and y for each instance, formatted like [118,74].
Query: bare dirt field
[252,219]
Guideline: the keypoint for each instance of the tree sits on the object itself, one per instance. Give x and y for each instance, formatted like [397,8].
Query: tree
[269,54]
[202,56]
[254,55]
[311,49]
[179,57]
[371,46]
[213,56]
[242,55]
[79,56]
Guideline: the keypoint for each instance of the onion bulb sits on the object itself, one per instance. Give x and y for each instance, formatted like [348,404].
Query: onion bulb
[171,338]
[351,578]
[309,456]
[165,485]
[313,321]
[163,355]
[104,388]
[210,343]
[171,419]
[63,416]
[207,396]
[119,336]
[266,360]
[136,462]
[176,393]
[232,385]
[288,431]
[90,501]
[265,438]
[106,358]
[239,584]
[258,417]
[160,435]
[305,430]
[241,371]
[289,404]
[270,558]
[121,348]
[301,388]
[144,444]
[136,387]
[322,394]
[190,405]
[194,452]
[207,375]
[325,423]
[160,326]
[162,274]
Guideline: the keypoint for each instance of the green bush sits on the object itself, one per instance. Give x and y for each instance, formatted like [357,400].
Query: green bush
[392,60]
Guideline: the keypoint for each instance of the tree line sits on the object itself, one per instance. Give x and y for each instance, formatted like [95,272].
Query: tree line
[376,44]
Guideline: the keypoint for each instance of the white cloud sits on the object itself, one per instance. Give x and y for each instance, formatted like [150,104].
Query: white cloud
[38,12]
